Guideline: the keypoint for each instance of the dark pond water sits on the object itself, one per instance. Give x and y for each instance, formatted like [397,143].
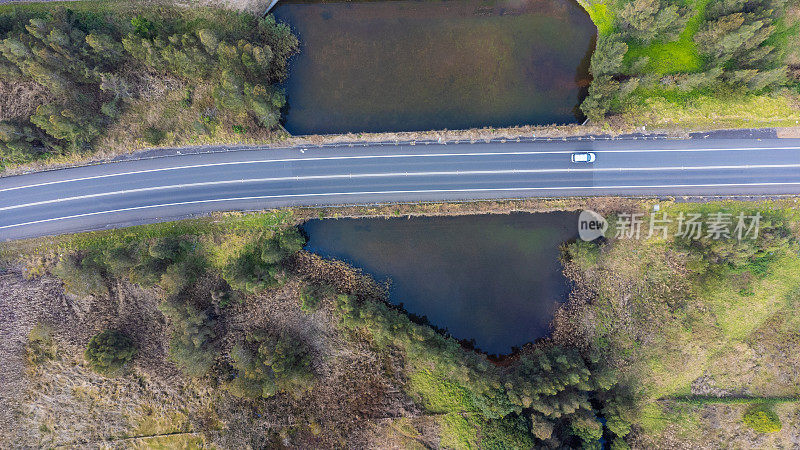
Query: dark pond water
[421,65]
[492,278]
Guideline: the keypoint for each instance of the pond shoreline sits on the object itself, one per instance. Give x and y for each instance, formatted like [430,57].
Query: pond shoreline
[491,279]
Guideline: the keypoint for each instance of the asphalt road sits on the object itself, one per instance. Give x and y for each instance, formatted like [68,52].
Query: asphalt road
[158,189]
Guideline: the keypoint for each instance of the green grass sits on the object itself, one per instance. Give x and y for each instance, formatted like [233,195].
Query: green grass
[713,111]
[680,56]
[654,419]
[224,22]
[439,395]
[739,315]
[458,420]
[229,224]
[458,431]
[601,15]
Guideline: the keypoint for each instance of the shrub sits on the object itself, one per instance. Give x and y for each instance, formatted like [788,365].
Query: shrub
[179,275]
[40,346]
[153,135]
[191,345]
[619,444]
[774,237]
[309,302]
[249,273]
[266,365]
[109,351]
[311,296]
[762,419]
[81,276]
[222,297]
[143,27]
[258,266]
[173,262]
[510,432]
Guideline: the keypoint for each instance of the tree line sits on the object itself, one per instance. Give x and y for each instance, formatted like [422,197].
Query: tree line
[737,40]
[90,62]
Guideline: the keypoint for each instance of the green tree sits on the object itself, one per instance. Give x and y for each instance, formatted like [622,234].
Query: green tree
[587,428]
[608,55]
[109,351]
[652,20]
[268,364]
[192,346]
[258,266]
[602,93]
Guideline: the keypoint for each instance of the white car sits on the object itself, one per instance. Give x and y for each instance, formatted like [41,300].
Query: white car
[587,157]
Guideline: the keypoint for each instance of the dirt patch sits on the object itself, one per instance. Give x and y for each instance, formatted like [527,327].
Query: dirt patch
[788,132]
[23,304]
[602,205]
[252,6]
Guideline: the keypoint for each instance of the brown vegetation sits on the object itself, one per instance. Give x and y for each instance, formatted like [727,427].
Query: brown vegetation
[62,402]
[19,99]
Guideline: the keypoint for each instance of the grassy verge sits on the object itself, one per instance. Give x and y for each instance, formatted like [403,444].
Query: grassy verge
[32,250]
[708,112]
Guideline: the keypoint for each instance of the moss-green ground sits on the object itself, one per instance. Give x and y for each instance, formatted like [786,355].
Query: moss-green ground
[700,110]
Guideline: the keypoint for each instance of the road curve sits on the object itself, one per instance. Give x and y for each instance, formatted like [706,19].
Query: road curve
[159,189]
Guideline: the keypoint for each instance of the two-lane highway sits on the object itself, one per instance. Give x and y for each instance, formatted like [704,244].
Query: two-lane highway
[124,193]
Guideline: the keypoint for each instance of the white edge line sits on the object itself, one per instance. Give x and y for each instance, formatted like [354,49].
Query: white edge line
[424,191]
[328,158]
